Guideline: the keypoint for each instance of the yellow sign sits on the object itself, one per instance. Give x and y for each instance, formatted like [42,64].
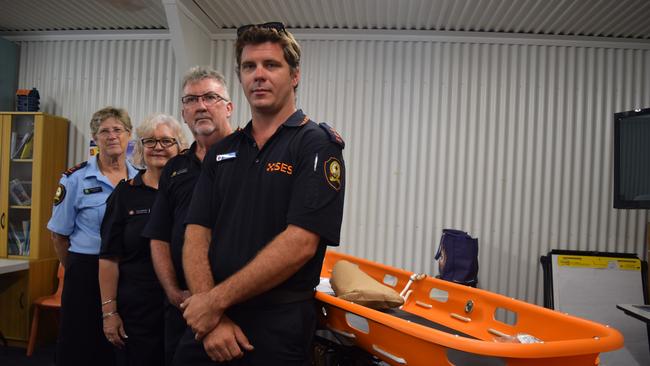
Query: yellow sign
[628,264]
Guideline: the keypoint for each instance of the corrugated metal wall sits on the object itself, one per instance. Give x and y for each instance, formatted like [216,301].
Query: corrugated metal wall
[511,142]
[77,77]
[508,139]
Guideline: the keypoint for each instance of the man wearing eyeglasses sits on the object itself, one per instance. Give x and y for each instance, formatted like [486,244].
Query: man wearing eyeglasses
[206,108]
[271,201]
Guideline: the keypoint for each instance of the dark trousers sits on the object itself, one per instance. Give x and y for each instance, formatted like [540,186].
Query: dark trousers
[174,329]
[141,308]
[281,334]
[81,338]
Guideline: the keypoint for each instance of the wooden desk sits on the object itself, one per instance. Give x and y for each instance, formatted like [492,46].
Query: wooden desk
[8,266]
[13,265]
[21,282]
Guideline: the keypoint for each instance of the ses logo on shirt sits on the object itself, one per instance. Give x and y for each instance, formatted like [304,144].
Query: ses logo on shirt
[279,167]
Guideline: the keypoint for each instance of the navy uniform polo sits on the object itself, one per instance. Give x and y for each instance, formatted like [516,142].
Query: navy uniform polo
[139,294]
[175,188]
[166,223]
[127,212]
[247,196]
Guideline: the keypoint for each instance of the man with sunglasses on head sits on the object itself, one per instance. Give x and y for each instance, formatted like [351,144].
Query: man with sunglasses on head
[270,202]
[206,108]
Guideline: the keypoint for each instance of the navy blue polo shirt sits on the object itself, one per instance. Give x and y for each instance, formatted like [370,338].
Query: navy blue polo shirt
[175,189]
[248,196]
[127,212]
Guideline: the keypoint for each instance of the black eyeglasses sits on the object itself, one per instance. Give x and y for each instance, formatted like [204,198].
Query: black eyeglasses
[164,142]
[278,26]
[208,98]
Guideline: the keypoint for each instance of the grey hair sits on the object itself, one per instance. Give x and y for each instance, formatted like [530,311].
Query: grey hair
[105,113]
[198,73]
[146,129]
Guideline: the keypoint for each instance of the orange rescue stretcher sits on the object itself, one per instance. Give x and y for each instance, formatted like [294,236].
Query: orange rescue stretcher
[443,323]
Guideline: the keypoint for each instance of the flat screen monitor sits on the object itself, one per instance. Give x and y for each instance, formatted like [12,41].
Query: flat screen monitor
[632,159]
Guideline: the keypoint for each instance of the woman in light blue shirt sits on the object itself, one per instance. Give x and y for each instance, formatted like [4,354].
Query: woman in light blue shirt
[79,205]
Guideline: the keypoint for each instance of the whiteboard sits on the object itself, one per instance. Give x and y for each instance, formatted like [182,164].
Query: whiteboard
[590,287]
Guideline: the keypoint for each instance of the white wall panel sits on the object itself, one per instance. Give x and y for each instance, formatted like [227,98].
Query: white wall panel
[511,142]
[77,77]
[508,139]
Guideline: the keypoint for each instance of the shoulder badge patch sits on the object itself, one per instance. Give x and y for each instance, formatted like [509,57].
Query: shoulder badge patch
[335,137]
[59,195]
[333,173]
[75,168]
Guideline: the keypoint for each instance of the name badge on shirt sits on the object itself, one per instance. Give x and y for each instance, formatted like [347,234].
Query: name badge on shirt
[92,190]
[179,172]
[142,211]
[230,155]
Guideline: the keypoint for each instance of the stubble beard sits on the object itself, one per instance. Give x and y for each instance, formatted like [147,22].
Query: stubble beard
[205,129]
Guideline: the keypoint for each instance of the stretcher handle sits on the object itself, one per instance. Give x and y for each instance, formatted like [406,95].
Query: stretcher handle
[399,360]
[414,277]
[460,317]
[340,332]
[498,333]
[408,293]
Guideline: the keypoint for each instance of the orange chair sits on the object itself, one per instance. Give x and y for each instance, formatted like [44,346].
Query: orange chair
[46,302]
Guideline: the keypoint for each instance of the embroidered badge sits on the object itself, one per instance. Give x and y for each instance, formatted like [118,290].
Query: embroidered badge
[59,195]
[279,167]
[230,155]
[92,190]
[333,173]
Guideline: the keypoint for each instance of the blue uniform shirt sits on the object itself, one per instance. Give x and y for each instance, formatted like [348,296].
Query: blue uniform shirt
[79,205]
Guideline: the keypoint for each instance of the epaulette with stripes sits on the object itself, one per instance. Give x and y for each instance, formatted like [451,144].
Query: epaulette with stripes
[334,136]
[75,168]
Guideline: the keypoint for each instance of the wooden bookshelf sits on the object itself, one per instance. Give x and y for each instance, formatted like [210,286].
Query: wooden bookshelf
[29,175]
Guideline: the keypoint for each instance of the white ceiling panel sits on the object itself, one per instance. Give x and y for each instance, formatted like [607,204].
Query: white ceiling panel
[65,15]
[600,18]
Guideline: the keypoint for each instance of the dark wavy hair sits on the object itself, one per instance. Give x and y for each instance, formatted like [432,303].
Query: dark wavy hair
[258,34]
